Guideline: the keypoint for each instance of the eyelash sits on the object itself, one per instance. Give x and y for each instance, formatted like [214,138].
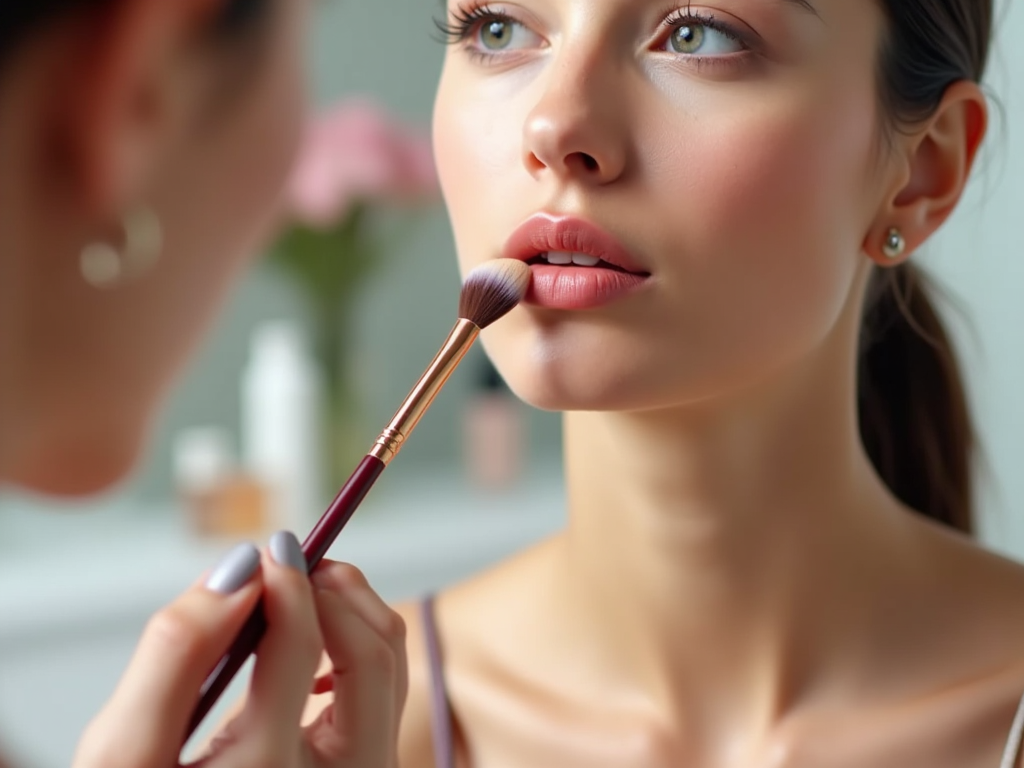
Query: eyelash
[463,22]
[684,16]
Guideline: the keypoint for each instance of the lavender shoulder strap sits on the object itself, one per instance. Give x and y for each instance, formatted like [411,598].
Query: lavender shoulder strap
[1013,742]
[440,707]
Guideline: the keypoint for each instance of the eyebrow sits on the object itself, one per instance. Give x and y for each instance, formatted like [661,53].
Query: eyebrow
[805,5]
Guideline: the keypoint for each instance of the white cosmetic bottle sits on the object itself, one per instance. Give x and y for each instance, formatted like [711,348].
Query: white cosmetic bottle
[281,414]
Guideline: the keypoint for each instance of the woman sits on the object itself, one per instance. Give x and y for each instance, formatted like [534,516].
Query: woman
[143,146]
[767,560]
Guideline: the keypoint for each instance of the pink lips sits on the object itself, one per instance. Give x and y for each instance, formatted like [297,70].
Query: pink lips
[570,286]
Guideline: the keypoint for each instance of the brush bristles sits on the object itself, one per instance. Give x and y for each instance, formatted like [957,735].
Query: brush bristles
[492,290]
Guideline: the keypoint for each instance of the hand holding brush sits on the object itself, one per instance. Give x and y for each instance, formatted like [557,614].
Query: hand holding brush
[489,293]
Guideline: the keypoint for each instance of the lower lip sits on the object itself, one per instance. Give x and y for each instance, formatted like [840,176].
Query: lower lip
[571,287]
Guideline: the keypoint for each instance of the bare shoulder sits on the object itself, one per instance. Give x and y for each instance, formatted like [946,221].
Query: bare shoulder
[973,632]
[983,589]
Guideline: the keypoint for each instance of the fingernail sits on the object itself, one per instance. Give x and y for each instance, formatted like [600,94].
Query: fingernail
[285,550]
[234,570]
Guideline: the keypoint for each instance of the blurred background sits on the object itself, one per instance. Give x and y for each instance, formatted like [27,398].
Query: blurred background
[481,478]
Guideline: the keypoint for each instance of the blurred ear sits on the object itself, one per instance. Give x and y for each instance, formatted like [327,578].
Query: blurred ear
[936,164]
[131,92]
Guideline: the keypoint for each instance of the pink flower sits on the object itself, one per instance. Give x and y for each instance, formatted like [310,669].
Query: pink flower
[357,152]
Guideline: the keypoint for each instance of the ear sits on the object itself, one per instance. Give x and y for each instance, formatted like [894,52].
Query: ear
[127,77]
[936,162]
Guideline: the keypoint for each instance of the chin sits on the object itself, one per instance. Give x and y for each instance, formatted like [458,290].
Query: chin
[548,395]
[594,386]
[77,465]
[585,370]
[566,398]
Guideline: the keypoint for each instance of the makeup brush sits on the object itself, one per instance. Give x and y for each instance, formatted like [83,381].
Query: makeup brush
[489,292]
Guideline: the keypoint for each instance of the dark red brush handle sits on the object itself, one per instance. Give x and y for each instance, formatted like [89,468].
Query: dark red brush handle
[341,510]
[314,548]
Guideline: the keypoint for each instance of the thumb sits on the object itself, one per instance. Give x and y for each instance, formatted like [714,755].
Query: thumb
[143,724]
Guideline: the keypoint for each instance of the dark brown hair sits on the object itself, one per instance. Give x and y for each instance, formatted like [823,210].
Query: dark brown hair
[914,417]
[19,19]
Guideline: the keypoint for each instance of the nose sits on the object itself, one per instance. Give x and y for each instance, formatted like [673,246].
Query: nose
[574,132]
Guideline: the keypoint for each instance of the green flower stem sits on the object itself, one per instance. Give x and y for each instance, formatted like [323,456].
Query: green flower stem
[341,423]
[328,265]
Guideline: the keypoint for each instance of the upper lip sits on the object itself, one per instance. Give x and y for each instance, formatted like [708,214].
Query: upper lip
[545,232]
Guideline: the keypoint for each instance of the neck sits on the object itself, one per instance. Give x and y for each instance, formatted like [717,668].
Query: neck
[719,552]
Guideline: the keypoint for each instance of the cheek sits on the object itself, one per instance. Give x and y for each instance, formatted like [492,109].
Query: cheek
[762,209]
[240,164]
[260,149]
[220,206]
[477,145]
[226,196]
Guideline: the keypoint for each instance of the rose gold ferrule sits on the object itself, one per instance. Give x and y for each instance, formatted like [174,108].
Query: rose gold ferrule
[422,395]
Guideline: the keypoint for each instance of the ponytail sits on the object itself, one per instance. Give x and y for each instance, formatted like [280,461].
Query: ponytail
[913,412]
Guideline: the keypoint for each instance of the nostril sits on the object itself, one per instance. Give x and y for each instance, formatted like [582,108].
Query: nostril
[580,163]
[534,163]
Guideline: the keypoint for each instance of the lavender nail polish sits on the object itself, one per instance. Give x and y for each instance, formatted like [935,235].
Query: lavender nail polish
[285,550]
[234,570]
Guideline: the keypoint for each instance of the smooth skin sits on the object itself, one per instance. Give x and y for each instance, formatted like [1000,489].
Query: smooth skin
[126,103]
[735,585]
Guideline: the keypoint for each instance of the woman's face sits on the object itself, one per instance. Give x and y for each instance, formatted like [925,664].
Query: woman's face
[95,364]
[730,147]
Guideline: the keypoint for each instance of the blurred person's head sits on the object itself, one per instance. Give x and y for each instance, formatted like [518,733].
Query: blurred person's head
[771,165]
[142,147]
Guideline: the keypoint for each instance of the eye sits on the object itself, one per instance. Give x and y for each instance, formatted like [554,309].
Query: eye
[702,37]
[504,34]
[485,32]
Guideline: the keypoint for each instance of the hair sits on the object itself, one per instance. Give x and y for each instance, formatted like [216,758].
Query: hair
[20,19]
[914,418]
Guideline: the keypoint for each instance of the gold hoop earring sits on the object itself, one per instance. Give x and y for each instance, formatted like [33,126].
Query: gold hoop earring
[894,244]
[104,266]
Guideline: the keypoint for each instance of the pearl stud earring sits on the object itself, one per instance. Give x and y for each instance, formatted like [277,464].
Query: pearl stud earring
[894,245]
[105,266]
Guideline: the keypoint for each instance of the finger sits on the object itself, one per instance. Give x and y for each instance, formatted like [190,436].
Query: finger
[223,740]
[178,649]
[386,622]
[289,653]
[366,647]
